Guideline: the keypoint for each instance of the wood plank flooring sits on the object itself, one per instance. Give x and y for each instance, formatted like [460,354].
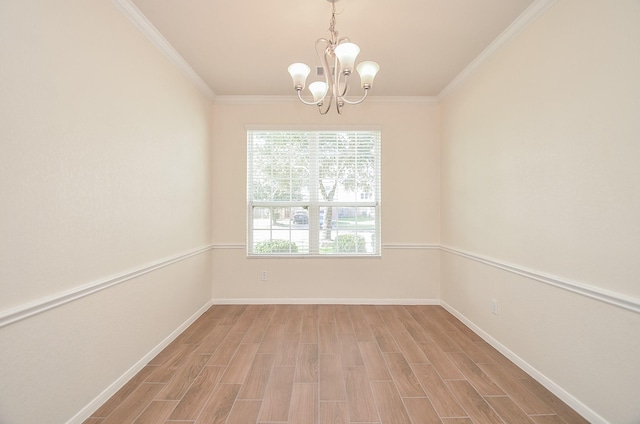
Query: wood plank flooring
[331,364]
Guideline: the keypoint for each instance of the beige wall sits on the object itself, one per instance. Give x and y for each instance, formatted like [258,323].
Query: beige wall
[409,267]
[105,176]
[104,171]
[540,174]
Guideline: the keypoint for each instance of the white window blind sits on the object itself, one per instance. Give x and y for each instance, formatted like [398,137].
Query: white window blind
[313,192]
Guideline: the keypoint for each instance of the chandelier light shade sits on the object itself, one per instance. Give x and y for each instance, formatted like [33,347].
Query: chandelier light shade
[338,58]
[346,54]
[367,71]
[318,90]
[299,72]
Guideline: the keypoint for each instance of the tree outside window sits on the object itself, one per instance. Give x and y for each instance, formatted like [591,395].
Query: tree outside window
[313,192]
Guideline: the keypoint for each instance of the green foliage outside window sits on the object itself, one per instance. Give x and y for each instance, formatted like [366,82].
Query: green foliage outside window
[350,243]
[276,246]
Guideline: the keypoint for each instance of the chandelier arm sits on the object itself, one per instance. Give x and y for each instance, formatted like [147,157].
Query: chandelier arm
[329,89]
[329,93]
[324,112]
[366,93]
[327,106]
[336,77]
[336,84]
[346,85]
[333,76]
[306,102]
[325,66]
[327,44]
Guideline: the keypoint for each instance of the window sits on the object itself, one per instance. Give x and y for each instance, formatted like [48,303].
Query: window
[313,193]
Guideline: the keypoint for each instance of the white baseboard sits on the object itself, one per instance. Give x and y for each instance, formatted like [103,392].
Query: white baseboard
[574,403]
[89,409]
[325,301]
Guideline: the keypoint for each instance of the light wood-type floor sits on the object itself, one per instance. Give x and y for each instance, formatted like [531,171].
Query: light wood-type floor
[308,364]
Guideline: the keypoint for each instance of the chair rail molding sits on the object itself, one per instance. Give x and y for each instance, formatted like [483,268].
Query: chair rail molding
[27,310]
[30,309]
[616,299]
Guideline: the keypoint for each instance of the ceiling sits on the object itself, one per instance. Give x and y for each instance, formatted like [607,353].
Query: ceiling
[243,47]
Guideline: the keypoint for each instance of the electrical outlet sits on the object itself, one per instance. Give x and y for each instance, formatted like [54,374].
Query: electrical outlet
[264,276]
[494,306]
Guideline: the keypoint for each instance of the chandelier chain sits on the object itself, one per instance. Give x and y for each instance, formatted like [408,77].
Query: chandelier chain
[332,24]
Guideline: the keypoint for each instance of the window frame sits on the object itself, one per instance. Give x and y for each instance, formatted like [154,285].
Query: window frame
[315,202]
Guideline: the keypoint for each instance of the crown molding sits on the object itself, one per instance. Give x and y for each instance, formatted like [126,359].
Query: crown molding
[253,100]
[261,100]
[131,11]
[403,99]
[533,12]
[134,14]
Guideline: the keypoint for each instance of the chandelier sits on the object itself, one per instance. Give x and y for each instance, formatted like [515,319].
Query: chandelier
[337,56]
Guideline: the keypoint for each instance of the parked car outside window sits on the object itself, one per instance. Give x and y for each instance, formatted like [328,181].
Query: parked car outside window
[300,217]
